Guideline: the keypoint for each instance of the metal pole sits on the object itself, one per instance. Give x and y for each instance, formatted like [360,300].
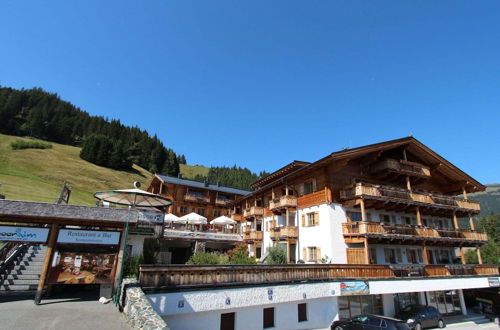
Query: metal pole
[116,298]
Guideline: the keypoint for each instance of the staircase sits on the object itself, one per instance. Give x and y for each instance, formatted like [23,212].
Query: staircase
[22,276]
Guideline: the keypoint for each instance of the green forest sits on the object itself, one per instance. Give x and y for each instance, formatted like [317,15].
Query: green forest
[38,114]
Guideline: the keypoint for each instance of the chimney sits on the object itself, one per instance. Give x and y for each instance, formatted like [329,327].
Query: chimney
[218,183]
[179,175]
[206,183]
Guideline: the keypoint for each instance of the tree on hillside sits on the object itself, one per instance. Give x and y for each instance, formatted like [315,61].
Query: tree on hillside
[490,252]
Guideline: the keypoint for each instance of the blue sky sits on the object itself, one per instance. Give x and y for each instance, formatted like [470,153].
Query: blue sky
[261,83]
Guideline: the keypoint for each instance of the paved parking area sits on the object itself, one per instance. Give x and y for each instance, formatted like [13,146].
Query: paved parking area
[61,312]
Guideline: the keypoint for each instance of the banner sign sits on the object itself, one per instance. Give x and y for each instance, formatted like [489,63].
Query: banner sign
[82,268]
[88,237]
[168,233]
[153,218]
[24,234]
[354,288]
[493,281]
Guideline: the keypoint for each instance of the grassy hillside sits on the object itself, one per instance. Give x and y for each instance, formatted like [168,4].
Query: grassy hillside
[37,174]
[190,171]
[489,199]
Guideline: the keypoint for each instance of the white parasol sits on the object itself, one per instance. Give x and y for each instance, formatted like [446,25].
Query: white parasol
[193,218]
[169,217]
[222,220]
[133,197]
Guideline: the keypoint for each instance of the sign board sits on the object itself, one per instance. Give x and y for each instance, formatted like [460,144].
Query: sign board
[88,237]
[493,281]
[149,223]
[153,218]
[24,234]
[82,268]
[354,288]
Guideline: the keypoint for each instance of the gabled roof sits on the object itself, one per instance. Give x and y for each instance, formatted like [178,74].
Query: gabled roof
[296,164]
[201,185]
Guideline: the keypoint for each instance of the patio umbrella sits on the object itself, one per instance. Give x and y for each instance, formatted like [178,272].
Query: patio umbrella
[171,217]
[133,197]
[222,220]
[193,218]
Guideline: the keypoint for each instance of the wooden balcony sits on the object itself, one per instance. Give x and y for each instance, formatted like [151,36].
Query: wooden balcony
[196,198]
[285,232]
[237,217]
[173,277]
[283,202]
[254,211]
[222,201]
[390,195]
[255,235]
[316,198]
[413,233]
[402,167]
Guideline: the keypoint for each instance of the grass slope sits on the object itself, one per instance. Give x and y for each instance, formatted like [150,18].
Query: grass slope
[190,171]
[37,174]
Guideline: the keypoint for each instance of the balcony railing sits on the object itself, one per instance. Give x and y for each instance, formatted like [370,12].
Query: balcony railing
[255,235]
[315,198]
[164,277]
[196,198]
[284,232]
[222,201]
[236,217]
[396,193]
[363,228]
[283,202]
[253,212]
[403,167]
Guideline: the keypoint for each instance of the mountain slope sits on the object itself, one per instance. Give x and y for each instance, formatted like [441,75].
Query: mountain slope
[489,199]
[37,174]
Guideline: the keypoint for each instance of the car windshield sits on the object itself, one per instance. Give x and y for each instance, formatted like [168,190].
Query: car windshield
[360,319]
[411,309]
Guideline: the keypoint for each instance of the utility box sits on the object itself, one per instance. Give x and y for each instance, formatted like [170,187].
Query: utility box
[106,290]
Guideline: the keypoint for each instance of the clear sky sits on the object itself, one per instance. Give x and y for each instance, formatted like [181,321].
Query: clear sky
[261,83]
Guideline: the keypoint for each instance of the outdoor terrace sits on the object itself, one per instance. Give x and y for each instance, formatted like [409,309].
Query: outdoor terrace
[172,277]
[390,195]
[279,203]
[253,211]
[408,232]
[204,232]
[402,167]
[196,198]
[284,232]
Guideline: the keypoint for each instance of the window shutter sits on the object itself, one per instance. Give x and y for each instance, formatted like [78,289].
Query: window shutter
[314,184]
[304,254]
[316,217]
[303,220]
[318,254]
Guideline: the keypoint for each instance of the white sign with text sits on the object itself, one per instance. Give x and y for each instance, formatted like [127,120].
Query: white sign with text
[23,234]
[88,237]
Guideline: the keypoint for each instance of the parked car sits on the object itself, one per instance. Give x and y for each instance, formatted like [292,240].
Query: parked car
[419,317]
[370,322]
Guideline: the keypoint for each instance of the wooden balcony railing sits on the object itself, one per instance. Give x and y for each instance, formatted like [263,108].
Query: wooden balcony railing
[168,277]
[403,167]
[382,192]
[362,228]
[253,211]
[196,198]
[222,201]
[283,202]
[237,217]
[285,232]
[255,235]
[316,198]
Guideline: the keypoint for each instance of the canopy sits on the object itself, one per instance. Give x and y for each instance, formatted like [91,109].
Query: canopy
[171,217]
[133,197]
[193,218]
[222,220]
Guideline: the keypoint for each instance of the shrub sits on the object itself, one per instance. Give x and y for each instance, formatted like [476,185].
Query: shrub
[239,255]
[276,255]
[131,266]
[22,144]
[208,258]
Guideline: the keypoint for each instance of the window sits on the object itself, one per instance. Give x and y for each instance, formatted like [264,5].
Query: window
[258,252]
[313,219]
[302,312]
[411,255]
[385,219]
[308,187]
[312,253]
[268,317]
[217,213]
[354,216]
[373,256]
[201,212]
[183,210]
[392,256]
[227,321]
[351,306]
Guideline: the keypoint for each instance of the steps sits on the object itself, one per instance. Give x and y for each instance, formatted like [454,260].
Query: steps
[22,277]
[478,319]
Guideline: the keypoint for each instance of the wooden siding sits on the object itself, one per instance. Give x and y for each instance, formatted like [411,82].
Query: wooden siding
[355,255]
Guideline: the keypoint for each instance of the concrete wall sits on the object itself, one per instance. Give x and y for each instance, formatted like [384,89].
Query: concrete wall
[137,243]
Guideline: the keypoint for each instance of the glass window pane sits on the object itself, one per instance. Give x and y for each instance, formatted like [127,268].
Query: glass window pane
[355,305]
[366,304]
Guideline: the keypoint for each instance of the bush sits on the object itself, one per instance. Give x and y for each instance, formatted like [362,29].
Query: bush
[150,249]
[131,266]
[276,255]
[239,255]
[22,144]
[208,258]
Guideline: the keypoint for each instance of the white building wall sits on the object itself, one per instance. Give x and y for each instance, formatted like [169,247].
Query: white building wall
[137,242]
[388,304]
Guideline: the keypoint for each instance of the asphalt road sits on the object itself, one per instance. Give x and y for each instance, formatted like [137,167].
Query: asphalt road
[64,312]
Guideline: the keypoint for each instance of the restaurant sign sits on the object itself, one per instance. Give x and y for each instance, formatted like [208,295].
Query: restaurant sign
[23,234]
[354,288]
[88,237]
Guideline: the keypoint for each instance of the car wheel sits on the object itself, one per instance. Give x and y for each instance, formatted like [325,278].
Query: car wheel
[418,326]
[441,324]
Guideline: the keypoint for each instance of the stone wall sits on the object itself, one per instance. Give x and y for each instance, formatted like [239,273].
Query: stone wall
[136,307]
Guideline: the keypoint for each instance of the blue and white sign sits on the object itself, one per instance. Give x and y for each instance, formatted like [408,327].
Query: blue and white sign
[24,234]
[88,237]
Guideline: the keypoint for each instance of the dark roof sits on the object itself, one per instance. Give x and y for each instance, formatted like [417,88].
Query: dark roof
[201,185]
[279,173]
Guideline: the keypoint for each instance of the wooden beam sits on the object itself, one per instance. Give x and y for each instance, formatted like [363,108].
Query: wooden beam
[479,257]
[426,255]
[462,256]
[419,217]
[46,262]
[471,222]
[363,211]
[455,221]
[367,256]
